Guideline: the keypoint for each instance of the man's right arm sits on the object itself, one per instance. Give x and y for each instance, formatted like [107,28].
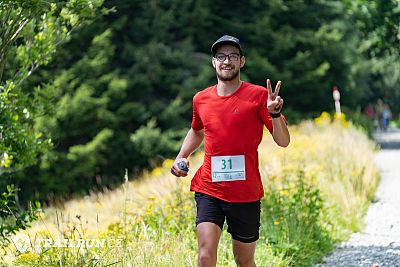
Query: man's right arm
[190,144]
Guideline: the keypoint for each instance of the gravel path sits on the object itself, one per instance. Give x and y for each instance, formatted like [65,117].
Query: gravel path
[378,245]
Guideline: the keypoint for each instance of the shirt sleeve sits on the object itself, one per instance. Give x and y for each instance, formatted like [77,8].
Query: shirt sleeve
[263,112]
[197,123]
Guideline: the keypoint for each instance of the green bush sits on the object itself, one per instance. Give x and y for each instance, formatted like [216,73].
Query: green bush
[291,221]
[12,218]
[360,120]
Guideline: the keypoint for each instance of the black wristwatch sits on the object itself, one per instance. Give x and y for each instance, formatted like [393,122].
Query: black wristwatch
[275,115]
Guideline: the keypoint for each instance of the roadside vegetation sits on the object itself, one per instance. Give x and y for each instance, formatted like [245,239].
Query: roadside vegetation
[317,191]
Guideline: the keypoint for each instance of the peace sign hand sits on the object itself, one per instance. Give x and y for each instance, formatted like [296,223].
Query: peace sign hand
[274,102]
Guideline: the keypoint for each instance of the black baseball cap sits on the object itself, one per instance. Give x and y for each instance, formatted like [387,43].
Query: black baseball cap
[226,40]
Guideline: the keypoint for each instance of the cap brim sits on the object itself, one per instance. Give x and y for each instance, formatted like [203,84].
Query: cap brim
[215,46]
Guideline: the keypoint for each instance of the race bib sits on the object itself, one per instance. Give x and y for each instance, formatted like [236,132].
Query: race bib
[228,168]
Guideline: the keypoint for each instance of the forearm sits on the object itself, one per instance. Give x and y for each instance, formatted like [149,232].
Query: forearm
[280,132]
[191,143]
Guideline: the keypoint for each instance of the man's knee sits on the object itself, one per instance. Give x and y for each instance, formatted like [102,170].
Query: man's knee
[207,257]
[245,261]
[244,253]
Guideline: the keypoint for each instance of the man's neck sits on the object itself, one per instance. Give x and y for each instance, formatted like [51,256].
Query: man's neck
[226,88]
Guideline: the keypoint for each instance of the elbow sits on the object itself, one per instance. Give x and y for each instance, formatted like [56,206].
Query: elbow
[283,143]
[286,144]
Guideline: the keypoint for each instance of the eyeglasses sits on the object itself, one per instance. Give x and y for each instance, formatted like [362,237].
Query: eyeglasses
[232,57]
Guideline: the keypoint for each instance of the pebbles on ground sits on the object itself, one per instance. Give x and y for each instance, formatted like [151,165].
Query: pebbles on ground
[378,245]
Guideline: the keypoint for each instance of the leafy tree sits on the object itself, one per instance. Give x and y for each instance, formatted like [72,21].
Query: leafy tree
[378,25]
[30,31]
[117,106]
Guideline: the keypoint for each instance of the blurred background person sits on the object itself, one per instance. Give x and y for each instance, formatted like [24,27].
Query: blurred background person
[386,116]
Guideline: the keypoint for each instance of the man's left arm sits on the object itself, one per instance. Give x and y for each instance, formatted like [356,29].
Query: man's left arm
[280,132]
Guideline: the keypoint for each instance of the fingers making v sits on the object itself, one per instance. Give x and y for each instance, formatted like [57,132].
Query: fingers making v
[273,95]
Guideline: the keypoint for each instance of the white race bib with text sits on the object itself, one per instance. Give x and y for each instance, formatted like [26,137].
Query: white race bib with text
[228,168]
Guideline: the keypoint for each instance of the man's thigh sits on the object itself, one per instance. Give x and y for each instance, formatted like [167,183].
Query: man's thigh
[243,220]
[209,223]
[209,210]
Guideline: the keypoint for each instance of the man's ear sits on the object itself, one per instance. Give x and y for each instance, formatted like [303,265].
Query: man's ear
[213,62]
[242,61]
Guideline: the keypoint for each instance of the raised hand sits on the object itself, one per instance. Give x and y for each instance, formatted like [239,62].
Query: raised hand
[274,102]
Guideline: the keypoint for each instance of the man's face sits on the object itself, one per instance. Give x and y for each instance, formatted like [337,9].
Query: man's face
[227,67]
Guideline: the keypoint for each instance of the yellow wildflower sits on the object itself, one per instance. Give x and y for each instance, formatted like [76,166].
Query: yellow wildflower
[284,192]
[156,171]
[167,163]
[323,119]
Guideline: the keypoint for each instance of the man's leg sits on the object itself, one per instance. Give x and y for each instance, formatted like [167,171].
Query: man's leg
[244,253]
[208,235]
[243,224]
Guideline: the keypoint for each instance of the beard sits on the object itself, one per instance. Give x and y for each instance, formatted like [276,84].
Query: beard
[227,76]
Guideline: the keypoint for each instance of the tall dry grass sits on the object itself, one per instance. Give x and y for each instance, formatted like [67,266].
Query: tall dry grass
[334,156]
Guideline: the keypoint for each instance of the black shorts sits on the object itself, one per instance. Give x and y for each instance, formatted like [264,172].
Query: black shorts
[243,218]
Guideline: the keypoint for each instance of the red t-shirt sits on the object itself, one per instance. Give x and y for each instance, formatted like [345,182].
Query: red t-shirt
[233,125]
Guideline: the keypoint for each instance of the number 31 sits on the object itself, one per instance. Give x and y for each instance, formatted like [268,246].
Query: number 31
[224,164]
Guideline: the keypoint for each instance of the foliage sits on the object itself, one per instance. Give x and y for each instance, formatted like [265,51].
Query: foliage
[12,219]
[302,217]
[377,25]
[342,143]
[134,73]
[360,120]
[291,222]
[30,33]
[118,86]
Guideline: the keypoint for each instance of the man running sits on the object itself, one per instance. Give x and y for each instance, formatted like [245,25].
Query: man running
[230,117]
